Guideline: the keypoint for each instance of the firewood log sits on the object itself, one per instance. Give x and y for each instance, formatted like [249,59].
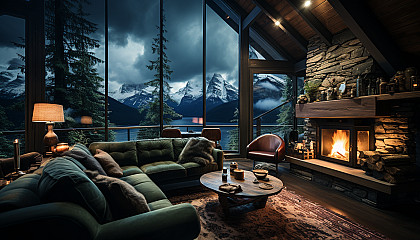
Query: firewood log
[396,158]
[409,170]
[397,179]
[374,158]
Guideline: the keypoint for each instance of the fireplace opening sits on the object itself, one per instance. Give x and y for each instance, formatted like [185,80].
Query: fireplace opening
[341,141]
[336,144]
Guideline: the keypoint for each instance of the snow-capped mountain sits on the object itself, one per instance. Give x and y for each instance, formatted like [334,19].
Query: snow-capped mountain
[268,91]
[12,82]
[187,94]
[219,90]
[186,100]
[133,95]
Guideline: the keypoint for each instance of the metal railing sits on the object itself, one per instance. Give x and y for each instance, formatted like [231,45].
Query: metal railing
[258,118]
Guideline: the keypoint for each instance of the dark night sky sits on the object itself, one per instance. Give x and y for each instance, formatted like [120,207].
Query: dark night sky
[132,25]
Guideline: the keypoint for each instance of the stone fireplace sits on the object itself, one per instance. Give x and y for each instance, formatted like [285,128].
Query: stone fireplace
[365,147]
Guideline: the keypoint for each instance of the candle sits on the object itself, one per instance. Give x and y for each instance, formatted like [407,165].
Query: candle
[239,174]
[17,154]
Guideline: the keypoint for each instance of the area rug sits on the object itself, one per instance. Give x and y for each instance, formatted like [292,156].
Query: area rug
[286,216]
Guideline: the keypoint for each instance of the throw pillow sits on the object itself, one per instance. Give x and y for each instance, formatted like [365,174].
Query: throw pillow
[86,159]
[64,181]
[123,199]
[111,167]
[197,150]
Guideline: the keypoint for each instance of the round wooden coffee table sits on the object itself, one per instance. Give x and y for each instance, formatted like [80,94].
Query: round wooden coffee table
[251,192]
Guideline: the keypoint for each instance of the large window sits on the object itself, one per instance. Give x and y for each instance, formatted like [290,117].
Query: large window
[12,83]
[222,106]
[184,50]
[269,92]
[133,87]
[74,56]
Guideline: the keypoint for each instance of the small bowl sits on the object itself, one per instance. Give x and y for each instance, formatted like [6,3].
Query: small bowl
[260,173]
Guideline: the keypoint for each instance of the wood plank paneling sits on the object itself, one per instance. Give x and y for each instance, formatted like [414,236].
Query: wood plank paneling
[326,14]
[401,18]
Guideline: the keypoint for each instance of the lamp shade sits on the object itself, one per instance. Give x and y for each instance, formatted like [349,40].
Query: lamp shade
[86,120]
[47,112]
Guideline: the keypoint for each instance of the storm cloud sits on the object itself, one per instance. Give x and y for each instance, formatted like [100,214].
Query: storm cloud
[132,27]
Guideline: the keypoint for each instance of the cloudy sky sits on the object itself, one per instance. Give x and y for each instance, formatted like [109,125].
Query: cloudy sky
[132,27]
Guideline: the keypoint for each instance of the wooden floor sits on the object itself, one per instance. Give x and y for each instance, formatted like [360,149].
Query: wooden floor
[401,222]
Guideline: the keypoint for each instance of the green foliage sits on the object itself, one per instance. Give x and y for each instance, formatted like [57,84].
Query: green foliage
[6,146]
[152,109]
[311,89]
[234,133]
[70,57]
[285,117]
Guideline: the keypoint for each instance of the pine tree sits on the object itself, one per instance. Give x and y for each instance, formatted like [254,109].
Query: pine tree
[74,81]
[285,117]
[152,110]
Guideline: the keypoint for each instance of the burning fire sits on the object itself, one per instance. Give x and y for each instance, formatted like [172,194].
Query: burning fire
[340,145]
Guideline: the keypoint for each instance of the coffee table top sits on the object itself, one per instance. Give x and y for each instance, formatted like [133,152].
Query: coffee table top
[213,180]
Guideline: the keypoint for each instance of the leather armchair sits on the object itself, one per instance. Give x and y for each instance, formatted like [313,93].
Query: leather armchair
[213,134]
[268,148]
[171,133]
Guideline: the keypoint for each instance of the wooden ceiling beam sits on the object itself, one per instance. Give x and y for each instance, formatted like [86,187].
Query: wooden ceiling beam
[267,38]
[312,21]
[251,17]
[257,29]
[284,24]
[361,21]
[223,15]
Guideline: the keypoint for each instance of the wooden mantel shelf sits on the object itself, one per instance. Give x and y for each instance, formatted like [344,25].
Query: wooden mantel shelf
[360,107]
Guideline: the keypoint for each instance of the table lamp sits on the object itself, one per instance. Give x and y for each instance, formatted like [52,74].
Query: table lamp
[48,113]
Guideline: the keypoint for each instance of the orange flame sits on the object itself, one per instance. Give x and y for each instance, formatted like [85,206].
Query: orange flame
[340,145]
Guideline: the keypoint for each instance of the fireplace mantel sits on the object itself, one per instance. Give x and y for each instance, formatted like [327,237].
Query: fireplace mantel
[360,107]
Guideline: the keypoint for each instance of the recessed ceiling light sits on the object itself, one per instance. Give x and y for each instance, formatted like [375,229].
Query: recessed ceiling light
[277,23]
[307,3]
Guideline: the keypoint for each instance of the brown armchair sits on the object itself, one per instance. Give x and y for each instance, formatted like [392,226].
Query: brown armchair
[213,134]
[268,148]
[171,133]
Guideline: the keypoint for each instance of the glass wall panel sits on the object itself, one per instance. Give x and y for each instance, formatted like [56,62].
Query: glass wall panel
[12,84]
[133,73]
[222,107]
[270,91]
[74,56]
[184,35]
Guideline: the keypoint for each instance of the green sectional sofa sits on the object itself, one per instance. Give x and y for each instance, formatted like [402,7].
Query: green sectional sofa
[26,211]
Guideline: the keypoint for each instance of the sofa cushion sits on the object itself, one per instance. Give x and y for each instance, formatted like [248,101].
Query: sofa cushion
[159,204]
[130,170]
[85,158]
[20,193]
[124,200]
[124,153]
[154,150]
[178,144]
[195,169]
[198,150]
[143,184]
[164,170]
[111,167]
[81,147]
[63,181]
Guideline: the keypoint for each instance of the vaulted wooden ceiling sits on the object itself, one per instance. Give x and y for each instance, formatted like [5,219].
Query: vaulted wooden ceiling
[391,25]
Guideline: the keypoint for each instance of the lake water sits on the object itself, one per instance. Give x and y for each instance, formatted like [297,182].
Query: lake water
[121,135]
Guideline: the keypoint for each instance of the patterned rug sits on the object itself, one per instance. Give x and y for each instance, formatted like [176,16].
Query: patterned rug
[286,216]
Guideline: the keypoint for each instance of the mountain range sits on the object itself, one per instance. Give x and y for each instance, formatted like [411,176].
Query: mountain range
[221,96]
